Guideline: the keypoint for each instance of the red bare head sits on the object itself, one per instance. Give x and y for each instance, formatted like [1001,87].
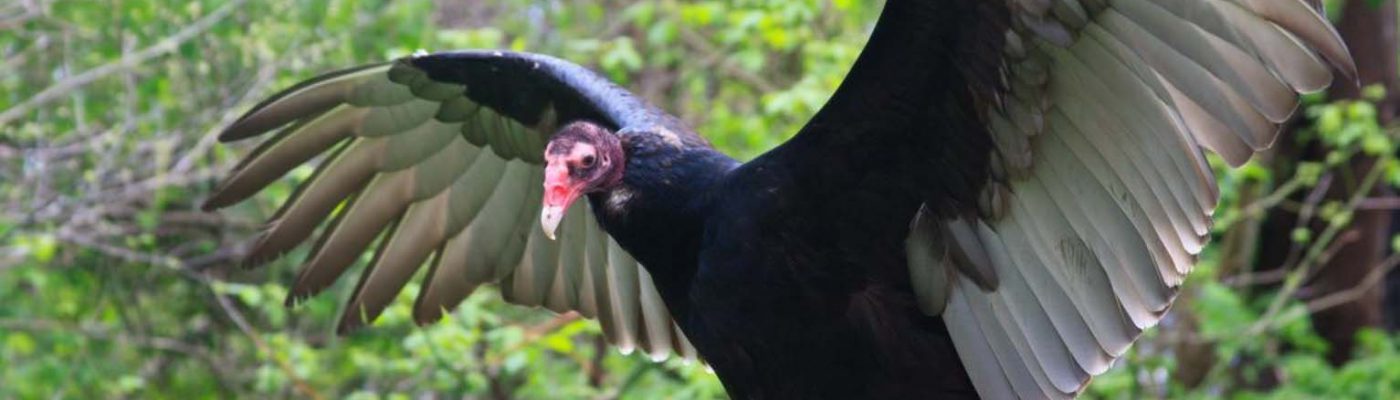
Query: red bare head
[581,158]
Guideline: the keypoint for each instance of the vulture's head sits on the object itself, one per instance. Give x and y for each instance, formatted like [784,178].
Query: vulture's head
[581,158]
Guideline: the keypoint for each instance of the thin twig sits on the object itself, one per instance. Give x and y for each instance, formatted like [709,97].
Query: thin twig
[695,40]
[1373,278]
[1314,254]
[13,21]
[207,140]
[219,370]
[1305,213]
[128,61]
[243,325]
[1380,203]
[535,333]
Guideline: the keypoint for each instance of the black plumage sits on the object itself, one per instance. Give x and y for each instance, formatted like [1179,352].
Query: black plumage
[995,202]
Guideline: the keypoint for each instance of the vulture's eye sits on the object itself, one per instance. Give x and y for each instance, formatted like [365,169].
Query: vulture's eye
[587,161]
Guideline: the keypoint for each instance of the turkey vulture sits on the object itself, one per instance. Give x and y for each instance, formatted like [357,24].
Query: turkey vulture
[1000,197]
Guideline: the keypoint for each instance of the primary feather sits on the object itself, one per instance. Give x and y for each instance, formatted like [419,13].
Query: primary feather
[1119,199]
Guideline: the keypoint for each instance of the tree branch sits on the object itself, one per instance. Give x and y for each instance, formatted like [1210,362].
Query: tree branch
[128,61]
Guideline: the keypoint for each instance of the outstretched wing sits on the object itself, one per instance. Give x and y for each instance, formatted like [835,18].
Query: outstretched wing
[1099,197]
[439,156]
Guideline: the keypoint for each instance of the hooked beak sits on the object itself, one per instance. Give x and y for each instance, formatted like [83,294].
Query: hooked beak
[559,193]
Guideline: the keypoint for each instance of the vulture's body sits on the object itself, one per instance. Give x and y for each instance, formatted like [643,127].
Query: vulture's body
[1000,197]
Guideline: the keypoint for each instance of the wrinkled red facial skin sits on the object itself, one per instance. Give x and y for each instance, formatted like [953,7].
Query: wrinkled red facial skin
[560,186]
[581,158]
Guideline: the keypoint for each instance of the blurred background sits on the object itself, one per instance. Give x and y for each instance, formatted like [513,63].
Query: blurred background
[113,284]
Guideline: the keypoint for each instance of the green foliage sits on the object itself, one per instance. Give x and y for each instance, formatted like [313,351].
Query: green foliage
[1258,339]
[113,284]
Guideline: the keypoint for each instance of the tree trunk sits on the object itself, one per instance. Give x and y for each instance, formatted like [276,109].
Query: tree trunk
[1370,33]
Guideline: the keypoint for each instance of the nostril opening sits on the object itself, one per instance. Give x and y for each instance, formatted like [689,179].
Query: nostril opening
[558,192]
